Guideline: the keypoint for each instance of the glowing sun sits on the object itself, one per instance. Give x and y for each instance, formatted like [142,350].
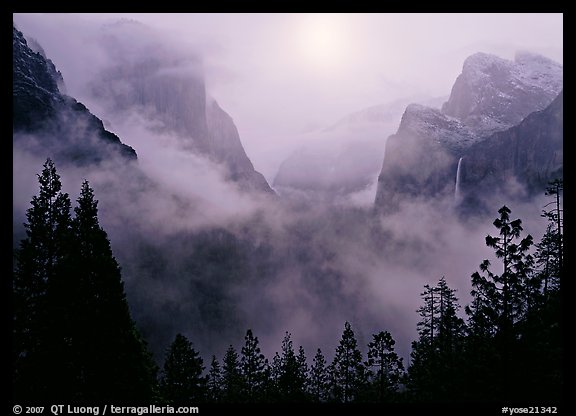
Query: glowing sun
[322,40]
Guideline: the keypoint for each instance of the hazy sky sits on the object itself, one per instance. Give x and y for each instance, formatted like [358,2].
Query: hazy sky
[279,75]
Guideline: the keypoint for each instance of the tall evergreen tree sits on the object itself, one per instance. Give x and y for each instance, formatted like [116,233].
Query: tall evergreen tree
[547,263]
[268,390]
[499,304]
[291,384]
[214,382]
[39,259]
[253,368]
[273,379]
[550,250]
[540,333]
[302,372]
[429,313]
[433,373]
[318,380]
[74,338]
[502,297]
[113,359]
[451,328]
[422,376]
[555,188]
[348,371]
[388,366]
[182,380]
[232,380]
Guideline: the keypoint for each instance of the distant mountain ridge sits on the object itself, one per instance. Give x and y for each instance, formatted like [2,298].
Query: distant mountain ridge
[168,87]
[491,95]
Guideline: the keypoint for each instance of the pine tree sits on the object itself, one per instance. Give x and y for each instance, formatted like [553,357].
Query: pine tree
[291,385]
[451,328]
[232,380]
[349,376]
[389,367]
[302,372]
[253,366]
[432,375]
[429,312]
[499,305]
[548,264]
[318,381]
[502,297]
[555,188]
[540,332]
[74,338]
[182,380]
[39,259]
[421,374]
[268,390]
[273,379]
[113,360]
[550,250]
[214,382]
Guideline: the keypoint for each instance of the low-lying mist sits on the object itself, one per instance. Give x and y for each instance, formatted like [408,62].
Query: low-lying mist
[202,258]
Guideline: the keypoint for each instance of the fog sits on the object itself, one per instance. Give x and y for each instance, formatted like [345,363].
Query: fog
[279,75]
[192,266]
[201,257]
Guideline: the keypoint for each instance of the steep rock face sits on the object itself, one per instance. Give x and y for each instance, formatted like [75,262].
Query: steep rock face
[421,156]
[529,154]
[177,103]
[54,73]
[491,95]
[226,148]
[167,87]
[53,122]
[34,90]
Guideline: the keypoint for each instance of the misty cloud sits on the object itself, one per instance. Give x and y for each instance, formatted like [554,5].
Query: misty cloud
[254,69]
[304,269]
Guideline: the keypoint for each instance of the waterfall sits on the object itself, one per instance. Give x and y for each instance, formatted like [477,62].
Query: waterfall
[457,194]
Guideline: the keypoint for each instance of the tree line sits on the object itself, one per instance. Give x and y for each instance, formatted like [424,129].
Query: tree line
[74,338]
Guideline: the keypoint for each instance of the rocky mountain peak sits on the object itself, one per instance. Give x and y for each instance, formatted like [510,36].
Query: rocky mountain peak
[492,94]
[32,68]
[480,66]
[61,126]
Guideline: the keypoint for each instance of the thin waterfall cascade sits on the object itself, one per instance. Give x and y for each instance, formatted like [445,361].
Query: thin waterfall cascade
[457,192]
